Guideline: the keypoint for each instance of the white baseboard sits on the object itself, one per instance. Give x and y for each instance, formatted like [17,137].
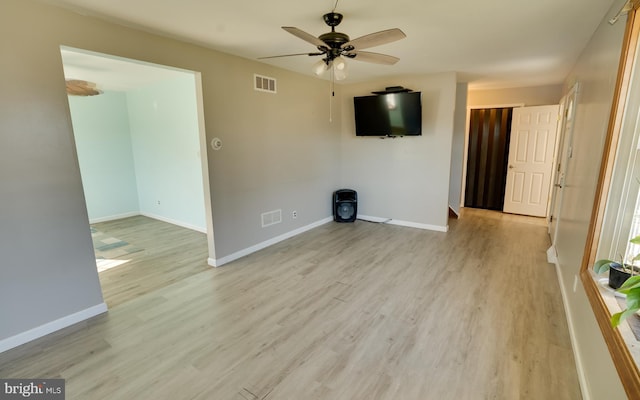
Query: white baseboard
[174,222]
[50,327]
[408,224]
[427,227]
[113,217]
[148,215]
[552,255]
[218,262]
[374,219]
[582,379]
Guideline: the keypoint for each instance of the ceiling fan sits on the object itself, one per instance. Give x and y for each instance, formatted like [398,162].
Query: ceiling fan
[335,46]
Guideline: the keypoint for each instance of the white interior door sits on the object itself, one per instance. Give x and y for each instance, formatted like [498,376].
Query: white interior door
[566,133]
[533,138]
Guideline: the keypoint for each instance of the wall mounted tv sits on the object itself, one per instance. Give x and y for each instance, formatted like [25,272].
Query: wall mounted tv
[389,114]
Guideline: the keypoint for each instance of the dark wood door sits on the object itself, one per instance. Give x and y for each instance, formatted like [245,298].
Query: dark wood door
[489,132]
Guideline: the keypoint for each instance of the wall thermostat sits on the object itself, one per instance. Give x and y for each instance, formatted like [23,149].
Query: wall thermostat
[216,143]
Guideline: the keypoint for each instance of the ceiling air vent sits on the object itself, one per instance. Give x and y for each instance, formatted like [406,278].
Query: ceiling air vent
[264,83]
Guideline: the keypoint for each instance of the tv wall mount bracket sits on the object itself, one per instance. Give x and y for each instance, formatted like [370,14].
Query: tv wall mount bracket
[393,89]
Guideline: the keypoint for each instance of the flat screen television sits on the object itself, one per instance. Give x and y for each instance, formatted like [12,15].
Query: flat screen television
[389,114]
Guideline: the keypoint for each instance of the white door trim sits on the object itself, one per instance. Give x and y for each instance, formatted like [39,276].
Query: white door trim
[565,138]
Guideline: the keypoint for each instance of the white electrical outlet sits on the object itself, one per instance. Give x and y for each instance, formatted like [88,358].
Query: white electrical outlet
[158,202]
[294,214]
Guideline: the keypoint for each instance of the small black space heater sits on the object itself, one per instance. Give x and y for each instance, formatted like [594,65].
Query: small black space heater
[345,205]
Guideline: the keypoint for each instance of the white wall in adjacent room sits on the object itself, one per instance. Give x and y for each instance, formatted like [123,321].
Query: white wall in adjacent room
[103,142]
[165,139]
[139,152]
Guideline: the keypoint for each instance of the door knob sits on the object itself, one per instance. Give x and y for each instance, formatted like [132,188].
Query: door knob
[558,185]
[511,166]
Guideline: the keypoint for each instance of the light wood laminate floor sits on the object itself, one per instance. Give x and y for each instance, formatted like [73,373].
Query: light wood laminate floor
[343,312]
[169,254]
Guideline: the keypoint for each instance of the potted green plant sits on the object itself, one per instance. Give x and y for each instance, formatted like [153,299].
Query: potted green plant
[623,279]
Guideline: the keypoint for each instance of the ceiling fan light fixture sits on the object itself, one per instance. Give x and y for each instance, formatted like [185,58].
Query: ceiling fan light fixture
[339,64]
[340,74]
[320,67]
[339,68]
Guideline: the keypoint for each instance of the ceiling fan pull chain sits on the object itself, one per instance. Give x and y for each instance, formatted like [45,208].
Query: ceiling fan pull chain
[331,94]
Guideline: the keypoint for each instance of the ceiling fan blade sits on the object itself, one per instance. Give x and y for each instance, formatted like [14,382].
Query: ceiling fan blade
[291,55]
[307,37]
[76,87]
[375,39]
[376,58]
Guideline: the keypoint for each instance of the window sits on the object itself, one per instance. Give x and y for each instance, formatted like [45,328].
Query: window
[614,216]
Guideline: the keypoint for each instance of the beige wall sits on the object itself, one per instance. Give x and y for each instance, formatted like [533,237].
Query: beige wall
[279,151]
[596,71]
[269,156]
[48,268]
[405,179]
[530,96]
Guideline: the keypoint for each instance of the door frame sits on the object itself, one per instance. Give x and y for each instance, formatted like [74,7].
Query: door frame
[466,142]
[561,158]
[202,137]
[560,134]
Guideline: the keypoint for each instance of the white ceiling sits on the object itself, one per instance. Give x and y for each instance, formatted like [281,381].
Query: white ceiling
[489,43]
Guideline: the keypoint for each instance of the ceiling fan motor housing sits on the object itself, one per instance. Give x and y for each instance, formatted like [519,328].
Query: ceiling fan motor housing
[332,19]
[334,39]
